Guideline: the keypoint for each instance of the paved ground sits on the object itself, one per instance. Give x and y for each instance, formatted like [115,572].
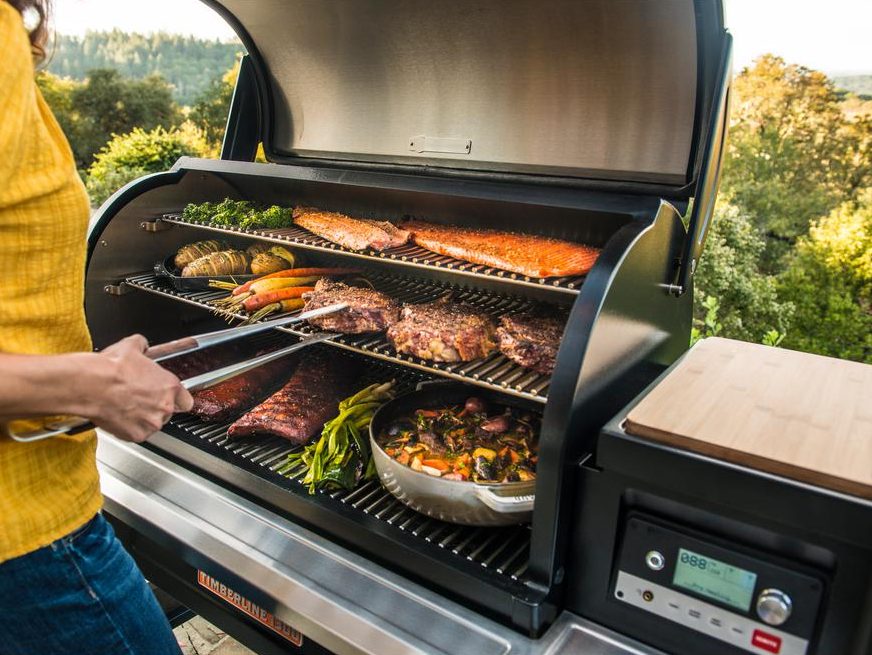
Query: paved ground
[199,637]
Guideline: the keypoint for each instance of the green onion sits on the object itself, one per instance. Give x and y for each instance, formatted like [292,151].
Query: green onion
[341,456]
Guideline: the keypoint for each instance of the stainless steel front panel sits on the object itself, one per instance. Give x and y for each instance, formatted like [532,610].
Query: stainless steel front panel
[588,88]
[341,600]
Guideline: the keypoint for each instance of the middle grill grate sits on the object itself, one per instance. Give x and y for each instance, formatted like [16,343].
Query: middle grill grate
[496,372]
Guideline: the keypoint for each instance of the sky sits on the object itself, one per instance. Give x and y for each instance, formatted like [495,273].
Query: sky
[828,35]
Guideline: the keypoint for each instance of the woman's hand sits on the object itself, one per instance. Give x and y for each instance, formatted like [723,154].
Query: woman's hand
[139,396]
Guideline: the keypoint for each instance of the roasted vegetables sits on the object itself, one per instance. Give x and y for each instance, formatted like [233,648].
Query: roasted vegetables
[238,213]
[225,262]
[276,258]
[341,456]
[466,443]
[187,254]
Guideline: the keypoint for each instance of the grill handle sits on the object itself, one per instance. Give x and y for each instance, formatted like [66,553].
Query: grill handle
[710,172]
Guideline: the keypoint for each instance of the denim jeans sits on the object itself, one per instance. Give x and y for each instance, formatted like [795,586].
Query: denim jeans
[82,595]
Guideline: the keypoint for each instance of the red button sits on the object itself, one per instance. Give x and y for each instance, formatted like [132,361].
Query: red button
[767,642]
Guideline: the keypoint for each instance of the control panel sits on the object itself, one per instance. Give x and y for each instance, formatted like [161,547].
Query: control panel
[727,593]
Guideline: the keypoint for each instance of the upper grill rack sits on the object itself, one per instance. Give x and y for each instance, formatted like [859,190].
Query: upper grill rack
[410,255]
[495,372]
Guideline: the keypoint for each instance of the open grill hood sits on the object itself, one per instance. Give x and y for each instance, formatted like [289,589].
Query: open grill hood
[599,92]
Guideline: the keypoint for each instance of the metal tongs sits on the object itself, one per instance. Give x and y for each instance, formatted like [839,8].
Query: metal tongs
[75,424]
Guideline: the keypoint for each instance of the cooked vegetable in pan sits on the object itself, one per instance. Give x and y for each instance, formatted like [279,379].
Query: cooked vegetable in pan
[341,456]
[187,254]
[225,262]
[470,442]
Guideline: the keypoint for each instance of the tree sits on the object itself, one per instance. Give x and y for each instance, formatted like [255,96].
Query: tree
[211,108]
[186,62]
[129,156]
[829,280]
[792,155]
[109,104]
[729,285]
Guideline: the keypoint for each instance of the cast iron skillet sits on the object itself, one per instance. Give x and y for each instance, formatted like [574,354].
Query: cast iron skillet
[456,501]
[167,270]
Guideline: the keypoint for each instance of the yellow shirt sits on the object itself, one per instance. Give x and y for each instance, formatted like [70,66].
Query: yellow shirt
[47,488]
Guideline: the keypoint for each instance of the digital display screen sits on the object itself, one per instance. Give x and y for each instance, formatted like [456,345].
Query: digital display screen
[714,579]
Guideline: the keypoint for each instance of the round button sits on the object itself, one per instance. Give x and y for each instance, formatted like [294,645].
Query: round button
[654,560]
[774,606]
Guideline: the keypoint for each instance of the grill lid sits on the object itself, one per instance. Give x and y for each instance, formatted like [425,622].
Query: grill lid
[612,90]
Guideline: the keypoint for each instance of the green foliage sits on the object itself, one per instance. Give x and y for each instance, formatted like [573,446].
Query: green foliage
[792,155]
[729,275]
[708,325]
[129,156]
[859,84]
[90,112]
[211,108]
[188,63]
[829,280]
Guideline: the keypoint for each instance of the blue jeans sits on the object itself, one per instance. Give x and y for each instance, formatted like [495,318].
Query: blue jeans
[82,595]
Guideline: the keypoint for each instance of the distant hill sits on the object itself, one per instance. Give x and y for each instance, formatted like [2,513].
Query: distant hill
[188,63]
[858,84]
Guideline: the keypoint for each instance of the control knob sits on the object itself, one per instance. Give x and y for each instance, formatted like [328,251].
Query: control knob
[774,606]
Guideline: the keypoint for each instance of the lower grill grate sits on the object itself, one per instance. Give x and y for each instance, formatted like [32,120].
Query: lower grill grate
[495,372]
[503,552]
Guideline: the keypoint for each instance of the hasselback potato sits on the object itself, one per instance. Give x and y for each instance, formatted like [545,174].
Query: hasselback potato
[256,248]
[226,262]
[187,254]
[266,262]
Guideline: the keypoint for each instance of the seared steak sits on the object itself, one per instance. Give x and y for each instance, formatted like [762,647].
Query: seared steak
[531,339]
[300,408]
[368,310]
[443,331]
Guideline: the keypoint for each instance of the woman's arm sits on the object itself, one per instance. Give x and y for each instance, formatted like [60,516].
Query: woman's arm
[119,389]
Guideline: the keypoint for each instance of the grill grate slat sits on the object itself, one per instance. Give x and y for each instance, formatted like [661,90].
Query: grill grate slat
[410,255]
[504,551]
[496,372]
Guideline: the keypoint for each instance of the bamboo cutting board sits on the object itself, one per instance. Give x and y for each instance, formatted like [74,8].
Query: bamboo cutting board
[794,414]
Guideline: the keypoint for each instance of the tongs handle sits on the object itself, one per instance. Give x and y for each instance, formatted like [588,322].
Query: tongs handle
[73,425]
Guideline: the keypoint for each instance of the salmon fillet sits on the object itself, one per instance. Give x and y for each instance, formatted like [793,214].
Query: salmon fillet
[353,233]
[526,254]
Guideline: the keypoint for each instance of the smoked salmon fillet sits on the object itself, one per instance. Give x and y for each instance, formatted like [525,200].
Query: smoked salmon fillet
[529,255]
[353,233]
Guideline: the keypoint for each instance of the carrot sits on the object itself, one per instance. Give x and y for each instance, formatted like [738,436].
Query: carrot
[261,300]
[295,272]
[438,464]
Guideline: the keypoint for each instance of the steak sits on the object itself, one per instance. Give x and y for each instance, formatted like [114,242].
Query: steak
[529,255]
[443,331]
[299,409]
[531,339]
[368,310]
[353,233]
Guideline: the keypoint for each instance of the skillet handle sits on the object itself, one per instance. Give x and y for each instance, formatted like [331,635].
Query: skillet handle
[423,384]
[505,504]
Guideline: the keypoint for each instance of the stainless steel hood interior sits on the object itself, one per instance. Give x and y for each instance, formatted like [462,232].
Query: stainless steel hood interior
[613,90]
